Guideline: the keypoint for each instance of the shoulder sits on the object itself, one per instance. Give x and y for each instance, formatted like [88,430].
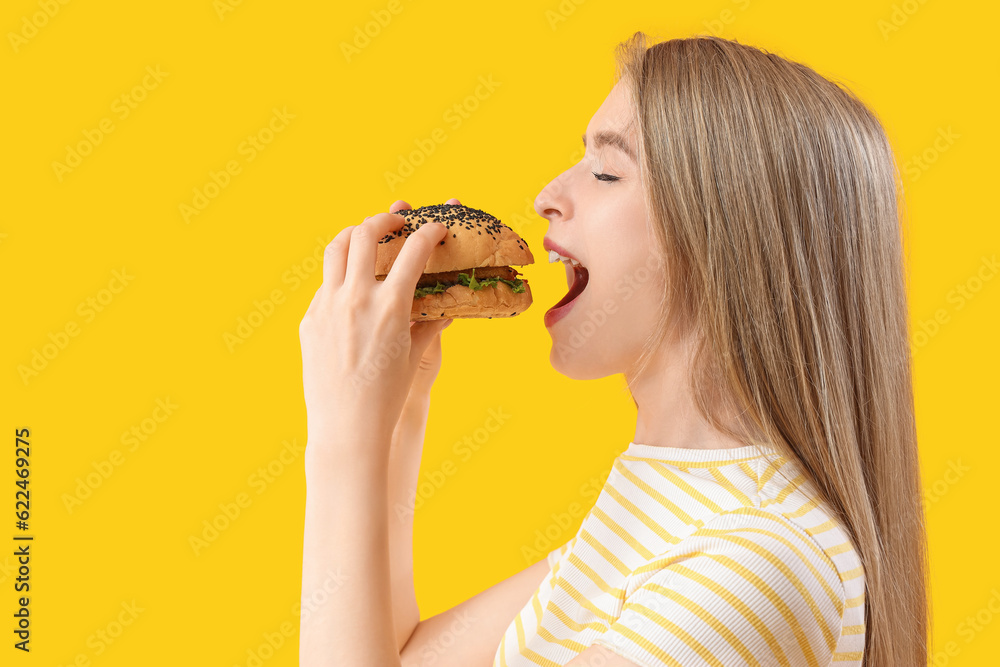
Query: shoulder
[749,585]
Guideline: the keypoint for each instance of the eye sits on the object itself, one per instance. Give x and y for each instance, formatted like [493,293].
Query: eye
[605,177]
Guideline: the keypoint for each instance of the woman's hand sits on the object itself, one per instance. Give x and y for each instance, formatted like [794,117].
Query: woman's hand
[360,353]
[430,362]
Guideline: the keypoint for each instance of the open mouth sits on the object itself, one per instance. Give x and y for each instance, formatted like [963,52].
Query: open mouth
[580,278]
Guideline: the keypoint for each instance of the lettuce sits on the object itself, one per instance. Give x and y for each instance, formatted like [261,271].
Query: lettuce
[517,286]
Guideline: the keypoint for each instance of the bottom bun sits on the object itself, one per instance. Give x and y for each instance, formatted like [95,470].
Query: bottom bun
[459,301]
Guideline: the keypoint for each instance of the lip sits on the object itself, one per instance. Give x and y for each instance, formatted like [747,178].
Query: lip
[548,244]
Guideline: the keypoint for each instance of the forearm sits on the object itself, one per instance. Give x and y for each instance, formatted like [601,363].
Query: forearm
[404,468]
[346,532]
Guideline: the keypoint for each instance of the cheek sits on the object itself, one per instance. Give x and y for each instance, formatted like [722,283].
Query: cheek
[630,295]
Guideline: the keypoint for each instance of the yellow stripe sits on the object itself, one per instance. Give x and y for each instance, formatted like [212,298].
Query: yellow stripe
[829,524]
[591,574]
[669,505]
[785,492]
[708,619]
[678,632]
[582,600]
[691,464]
[834,598]
[568,643]
[635,511]
[805,509]
[855,602]
[601,549]
[649,646]
[772,468]
[528,653]
[775,599]
[679,482]
[853,574]
[831,641]
[795,529]
[573,625]
[537,605]
[730,487]
[841,657]
[853,630]
[842,548]
[622,533]
[737,604]
[751,473]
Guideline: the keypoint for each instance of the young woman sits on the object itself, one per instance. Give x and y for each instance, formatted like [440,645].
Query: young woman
[767,511]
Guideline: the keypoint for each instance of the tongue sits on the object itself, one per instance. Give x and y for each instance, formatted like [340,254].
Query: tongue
[580,278]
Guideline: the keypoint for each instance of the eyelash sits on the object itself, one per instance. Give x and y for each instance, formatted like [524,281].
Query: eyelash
[605,177]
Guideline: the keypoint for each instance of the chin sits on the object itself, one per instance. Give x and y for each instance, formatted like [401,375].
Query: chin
[580,363]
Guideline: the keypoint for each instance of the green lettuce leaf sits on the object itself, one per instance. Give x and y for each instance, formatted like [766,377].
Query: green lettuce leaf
[517,286]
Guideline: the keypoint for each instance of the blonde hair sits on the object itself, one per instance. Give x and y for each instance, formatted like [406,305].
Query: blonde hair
[772,196]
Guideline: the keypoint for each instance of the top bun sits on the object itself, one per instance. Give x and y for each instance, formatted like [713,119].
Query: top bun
[474,239]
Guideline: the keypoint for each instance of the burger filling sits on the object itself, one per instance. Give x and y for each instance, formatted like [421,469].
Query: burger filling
[489,276]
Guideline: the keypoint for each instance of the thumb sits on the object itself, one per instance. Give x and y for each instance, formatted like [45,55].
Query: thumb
[421,335]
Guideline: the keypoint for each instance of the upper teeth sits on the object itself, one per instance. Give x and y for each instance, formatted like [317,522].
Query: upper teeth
[556,257]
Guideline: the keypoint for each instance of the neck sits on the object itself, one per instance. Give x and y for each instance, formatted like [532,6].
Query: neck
[667,414]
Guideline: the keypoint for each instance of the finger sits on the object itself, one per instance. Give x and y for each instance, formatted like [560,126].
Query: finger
[399,205]
[413,256]
[453,202]
[364,240]
[422,335]
[335,257]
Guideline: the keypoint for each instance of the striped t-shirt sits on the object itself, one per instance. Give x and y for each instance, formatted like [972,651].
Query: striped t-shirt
[698,557]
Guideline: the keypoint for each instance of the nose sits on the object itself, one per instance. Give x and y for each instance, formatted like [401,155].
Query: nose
[553,202]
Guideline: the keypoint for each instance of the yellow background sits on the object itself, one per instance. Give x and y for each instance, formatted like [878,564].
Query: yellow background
[162,336]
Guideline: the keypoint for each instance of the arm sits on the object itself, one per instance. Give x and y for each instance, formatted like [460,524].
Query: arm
[346,531]
[404,466]
[470,633]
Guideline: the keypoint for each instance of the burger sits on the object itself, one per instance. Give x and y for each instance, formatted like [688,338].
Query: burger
[469,274]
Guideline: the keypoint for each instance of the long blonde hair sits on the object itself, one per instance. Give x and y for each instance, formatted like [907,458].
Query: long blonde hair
[773,197]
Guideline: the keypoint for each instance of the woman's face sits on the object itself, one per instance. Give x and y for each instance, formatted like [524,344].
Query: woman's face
[602,222]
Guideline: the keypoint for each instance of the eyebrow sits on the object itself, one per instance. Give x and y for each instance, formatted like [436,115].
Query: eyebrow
[609,138]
